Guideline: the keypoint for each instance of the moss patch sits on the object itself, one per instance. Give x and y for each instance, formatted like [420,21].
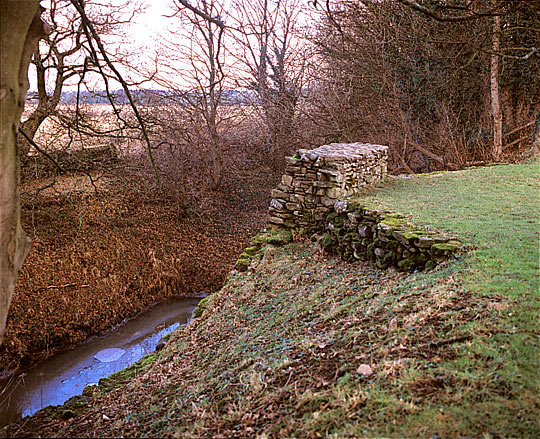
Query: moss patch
[124,375]
[201,306]
[277,237]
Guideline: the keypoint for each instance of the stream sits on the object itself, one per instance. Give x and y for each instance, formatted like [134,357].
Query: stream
[65,375]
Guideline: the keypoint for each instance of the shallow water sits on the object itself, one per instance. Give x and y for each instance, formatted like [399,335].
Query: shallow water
[59,378]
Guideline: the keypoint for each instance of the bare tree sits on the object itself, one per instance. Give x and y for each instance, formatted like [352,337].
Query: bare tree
[20,30]
[494,87]
[63,42]
[496,11]
[273,53]
[60,60]
[194,70]
[427,83]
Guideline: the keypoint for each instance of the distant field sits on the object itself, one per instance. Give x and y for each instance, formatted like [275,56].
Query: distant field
[104,124]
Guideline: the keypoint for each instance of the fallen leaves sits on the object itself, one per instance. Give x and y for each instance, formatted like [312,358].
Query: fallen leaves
[98,259]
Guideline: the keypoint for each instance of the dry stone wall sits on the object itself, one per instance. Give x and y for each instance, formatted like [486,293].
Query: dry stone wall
[311,199]
[315,179]
[356,230]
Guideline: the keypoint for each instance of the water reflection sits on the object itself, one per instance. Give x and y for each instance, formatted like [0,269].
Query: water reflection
[67,374]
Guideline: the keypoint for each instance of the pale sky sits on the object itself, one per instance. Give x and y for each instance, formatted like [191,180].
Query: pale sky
[142,34]
[141,40]
[151,23]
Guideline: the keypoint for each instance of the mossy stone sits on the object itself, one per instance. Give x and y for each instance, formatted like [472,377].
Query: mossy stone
[202,305]
[392,222]
[388,258]
[242,264]
[259,239]
[252,251]
[361,205]
[449,247]
[406,264]
[326,241]
[279,237]
[430,264]
[412,234]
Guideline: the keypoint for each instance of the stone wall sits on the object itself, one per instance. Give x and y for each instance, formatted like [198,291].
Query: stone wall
[357,230]
[315,179]
[311,200]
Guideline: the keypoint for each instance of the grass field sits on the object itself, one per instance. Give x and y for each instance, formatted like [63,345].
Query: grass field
[306,345]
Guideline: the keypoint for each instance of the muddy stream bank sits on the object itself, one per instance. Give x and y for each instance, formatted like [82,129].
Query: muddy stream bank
[57,379]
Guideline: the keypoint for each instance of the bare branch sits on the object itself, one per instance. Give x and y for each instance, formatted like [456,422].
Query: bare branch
[89,29]
[54,162]
[216,20]
[433,12]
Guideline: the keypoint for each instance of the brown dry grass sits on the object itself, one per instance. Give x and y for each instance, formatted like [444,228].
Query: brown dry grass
[100,257]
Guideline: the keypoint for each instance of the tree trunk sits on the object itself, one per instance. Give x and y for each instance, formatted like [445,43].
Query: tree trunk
[46,104]
[20,30]
[30,127]
[216,163]
[494,80]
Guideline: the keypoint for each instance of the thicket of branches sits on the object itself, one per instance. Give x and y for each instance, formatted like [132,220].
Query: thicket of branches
[393,75]
[418,76]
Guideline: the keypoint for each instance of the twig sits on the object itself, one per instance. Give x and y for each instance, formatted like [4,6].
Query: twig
[452,340]
[216,20]
[515,130]
[52,287]
[56,164]
[521,139]
[41,151]
[431,155]
[434,13]
[89,29]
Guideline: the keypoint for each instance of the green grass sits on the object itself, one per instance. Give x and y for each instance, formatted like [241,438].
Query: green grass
[276,353]
[495,209]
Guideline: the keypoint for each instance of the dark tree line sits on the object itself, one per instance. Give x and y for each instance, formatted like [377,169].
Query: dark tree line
[434,81]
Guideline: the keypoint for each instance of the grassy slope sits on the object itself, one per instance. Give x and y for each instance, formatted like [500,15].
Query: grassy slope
[281,349]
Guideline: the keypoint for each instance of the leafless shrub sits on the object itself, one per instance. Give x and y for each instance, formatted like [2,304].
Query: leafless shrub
[386,73]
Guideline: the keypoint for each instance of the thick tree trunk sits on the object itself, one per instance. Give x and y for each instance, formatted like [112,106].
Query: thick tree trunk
[46,104]
[20,30]
[495,101]
[30,127]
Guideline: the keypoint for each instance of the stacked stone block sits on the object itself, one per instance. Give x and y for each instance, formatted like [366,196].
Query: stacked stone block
[315,179]
[310,200]
[358,231]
